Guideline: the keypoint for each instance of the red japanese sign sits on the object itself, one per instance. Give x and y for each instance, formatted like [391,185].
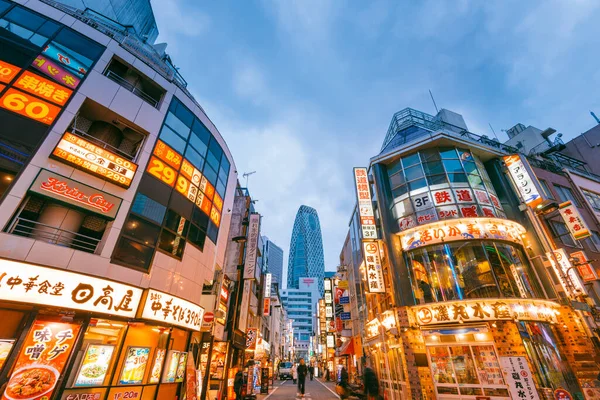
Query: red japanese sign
[44,88]
[442,197]
[167,154]
[574,221]
[55,71]
[585,269]
[7,71]
[29,106]
[41,361]
[464,196]
[365,206]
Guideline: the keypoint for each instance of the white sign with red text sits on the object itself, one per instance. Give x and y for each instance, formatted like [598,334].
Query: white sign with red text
[574,221]
[365,205]
[374,269]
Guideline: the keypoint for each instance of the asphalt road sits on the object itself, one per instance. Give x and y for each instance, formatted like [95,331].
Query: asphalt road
[315,390]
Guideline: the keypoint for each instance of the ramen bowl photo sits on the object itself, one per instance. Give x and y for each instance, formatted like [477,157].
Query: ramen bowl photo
[31,382]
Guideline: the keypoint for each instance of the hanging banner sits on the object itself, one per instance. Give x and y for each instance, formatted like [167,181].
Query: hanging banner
[585,269]
[163,307]
[375,282]
[251,338]
[524,179]
[267,306]
[564,271]
[251,246]
[268,280]
[41,361]
[365,205]
[243,320]
[519,378]
[573,220]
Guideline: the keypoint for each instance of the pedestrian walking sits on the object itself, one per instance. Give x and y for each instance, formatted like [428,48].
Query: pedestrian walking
[302,372]
[311,370]
[371,384]
[238,382]
[294,373]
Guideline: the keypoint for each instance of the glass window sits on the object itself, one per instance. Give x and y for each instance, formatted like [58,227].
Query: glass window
[430,155]
[433,168]
[470,167]
[225,164]
[179,127]
[215,148]
[562,232]
[394,167]
[25,18]
[175,221]
[184,114]
[197,237]
[212,232]
[212,159]
[48,29]
[457,178]
[399,191]
[221,188]
[593,199]
[565,194]
[210,174]
[418,184]
[397,180]
[596,238]
[82,49]
[168,136]
[437,180]
[223,175]
[133,254]
[411,160]
[143,205]
[171,243]
[448,153]
[196,159]
[475,181]
[546,189]
[453,166]
[4,5]
[141,230]
[198,145]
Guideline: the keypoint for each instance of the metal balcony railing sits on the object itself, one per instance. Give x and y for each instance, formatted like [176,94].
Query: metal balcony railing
[127,85]
[105,145]
[53,235]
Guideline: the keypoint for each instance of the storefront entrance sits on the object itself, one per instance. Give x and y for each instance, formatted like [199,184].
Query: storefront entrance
[464,364]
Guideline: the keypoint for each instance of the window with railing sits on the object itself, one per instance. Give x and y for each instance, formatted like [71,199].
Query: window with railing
[593,199]
[47,220]
[135,82]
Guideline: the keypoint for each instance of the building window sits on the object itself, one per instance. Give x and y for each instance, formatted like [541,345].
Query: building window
[562,233]
[593,198]
[595,238]
[566,194]
[546,189]
[135,82]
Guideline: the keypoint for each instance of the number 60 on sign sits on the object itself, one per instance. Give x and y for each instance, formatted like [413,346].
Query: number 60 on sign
[29,106]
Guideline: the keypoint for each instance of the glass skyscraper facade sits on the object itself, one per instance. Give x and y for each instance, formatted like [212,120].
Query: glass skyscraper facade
[306,249]
[273,260]
[130,13]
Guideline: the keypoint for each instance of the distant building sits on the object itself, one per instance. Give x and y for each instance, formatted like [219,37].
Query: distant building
[329,274]
[272,260]
[136,14]
[306,249]
[301,306]
[586,148]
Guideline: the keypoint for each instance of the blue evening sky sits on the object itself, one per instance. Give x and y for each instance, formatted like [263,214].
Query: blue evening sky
[302,91]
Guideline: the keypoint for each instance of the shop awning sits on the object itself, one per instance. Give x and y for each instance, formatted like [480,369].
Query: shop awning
[347,348]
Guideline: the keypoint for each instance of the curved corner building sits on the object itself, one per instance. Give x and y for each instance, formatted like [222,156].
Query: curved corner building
[113,182]
[306,249]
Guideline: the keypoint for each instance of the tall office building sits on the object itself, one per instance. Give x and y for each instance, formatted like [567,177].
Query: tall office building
[273,260]
[136,14]
[301,306]
[306,249]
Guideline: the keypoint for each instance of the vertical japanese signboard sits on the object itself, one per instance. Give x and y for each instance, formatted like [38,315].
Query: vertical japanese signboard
[328,295]
[519,378]
[565,273]
[41,361]
[524,179]
[573,220]
[374,269]
[243,320]
[251,247]
[267,295]
[365,206]
[585,269]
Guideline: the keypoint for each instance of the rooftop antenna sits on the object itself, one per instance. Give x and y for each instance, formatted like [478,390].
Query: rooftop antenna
[435,105]
[246,175]
[493,131]
[596,118]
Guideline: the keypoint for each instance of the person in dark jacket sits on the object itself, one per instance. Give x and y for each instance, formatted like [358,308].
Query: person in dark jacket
[371,384]
[344,377]
[238,383]
[302,372]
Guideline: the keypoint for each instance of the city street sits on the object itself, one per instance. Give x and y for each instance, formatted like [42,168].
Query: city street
[314,390]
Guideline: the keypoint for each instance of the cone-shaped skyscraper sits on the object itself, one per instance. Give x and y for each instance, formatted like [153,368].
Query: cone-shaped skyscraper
[306,249]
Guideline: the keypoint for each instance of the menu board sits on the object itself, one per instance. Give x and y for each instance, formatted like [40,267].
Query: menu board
[170,167]
[159,357]
[134,367]
[171,367]
[42,359]
[180,374]
[95,364]
[5,347]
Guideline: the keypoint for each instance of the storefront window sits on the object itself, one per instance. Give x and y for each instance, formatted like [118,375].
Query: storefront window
[467,270]
[9,331]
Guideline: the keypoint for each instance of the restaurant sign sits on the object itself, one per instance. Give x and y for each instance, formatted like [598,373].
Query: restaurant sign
[251,247]
[524,179]
[165,308]
[365,206]
[95,160]
[26,283]
[462,229]
[584,267]
[374,269]
[485,310]
[519,378]
[565,273]
[573,220]
[75,193]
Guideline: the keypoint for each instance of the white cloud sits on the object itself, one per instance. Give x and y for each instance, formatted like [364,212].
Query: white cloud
[249,82]
[174,18]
